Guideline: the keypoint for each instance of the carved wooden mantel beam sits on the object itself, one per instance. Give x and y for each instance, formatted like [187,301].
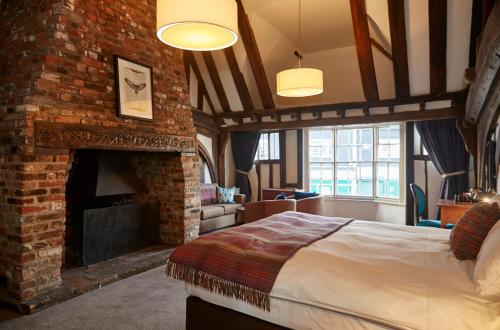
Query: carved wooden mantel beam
[75,136]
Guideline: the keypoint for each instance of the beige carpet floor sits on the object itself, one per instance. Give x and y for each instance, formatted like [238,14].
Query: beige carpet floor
[146,301]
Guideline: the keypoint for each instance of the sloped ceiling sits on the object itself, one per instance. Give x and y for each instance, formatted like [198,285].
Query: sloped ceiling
[328,44]
[325,24]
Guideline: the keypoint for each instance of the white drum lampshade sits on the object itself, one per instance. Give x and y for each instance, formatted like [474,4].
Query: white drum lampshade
[198,25]
[299,82]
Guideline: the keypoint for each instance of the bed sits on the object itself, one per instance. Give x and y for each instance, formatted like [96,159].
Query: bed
[366,275]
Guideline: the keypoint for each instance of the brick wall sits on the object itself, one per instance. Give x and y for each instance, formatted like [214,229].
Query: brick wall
[56,65]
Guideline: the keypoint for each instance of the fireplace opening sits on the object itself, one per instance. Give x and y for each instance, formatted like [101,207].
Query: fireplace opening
[108,212]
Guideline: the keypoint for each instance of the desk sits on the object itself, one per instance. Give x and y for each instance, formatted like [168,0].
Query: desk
[451,212]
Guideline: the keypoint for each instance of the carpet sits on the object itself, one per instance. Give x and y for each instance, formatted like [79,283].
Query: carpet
[146,301]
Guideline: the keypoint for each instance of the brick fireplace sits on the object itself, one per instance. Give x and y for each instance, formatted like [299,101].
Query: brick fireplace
[57,96]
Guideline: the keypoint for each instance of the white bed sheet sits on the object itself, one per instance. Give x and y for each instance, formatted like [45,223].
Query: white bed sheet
[373,275]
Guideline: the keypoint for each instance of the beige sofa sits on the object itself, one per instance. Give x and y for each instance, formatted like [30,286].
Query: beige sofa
[216,216]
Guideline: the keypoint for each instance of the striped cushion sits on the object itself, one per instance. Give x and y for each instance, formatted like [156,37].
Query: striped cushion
[207,194]
[471,230]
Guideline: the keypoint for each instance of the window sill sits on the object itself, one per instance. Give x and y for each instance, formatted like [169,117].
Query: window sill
[370,200]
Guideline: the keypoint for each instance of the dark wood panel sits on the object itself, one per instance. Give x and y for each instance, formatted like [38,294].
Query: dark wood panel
[364,49]
[254,58]
[216,81]
[282,158]
[399,47]
[203,315]
[205,121]
[437,45]
[239,80]
[410,173]
[443,113]
[300,158]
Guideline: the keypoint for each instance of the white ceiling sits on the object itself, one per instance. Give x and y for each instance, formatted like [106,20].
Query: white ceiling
[326,24]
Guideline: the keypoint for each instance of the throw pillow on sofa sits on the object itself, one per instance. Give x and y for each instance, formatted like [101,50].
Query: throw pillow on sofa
[225,195]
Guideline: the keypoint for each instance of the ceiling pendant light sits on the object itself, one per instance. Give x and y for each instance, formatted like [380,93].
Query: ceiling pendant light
[198,25]
[299,82]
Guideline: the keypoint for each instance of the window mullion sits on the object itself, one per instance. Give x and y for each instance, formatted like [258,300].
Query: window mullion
[374,161]
[334,161]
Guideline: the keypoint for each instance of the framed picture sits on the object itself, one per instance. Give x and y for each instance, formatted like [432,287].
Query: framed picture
[134,89]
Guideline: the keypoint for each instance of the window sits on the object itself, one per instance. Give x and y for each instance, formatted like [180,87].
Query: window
[269,147]
[355,161]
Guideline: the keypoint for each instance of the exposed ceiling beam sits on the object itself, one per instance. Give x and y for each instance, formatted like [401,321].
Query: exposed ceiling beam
[434,114]
[437,45]
[399,48]
[475,30]
[200,99]
[456,98]
[239,80]
[254,58]
[364,49]
[201,84]
[187,66]
[381,48]
[214,76]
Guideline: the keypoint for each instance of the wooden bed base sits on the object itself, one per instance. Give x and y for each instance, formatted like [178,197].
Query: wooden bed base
[201,315]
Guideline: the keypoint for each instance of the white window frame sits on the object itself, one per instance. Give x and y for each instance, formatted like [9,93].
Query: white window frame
[269,159]
[374,198]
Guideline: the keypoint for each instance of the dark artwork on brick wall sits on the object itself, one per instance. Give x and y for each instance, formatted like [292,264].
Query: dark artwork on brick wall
[134,89]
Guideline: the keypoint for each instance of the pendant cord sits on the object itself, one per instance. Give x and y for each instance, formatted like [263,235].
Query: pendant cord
[300,45]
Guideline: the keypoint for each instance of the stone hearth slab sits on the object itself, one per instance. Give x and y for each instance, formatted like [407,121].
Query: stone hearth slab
[78,281]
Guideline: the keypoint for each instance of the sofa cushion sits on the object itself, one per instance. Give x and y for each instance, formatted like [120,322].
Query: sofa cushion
[211,211]
[207,194]
[229,208]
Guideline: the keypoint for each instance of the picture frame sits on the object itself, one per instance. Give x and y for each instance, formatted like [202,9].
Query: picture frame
[134,89]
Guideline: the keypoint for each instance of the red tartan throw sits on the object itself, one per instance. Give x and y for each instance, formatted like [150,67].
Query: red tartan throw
[243,262]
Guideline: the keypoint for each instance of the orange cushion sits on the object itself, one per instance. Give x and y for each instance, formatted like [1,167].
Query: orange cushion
[471,230]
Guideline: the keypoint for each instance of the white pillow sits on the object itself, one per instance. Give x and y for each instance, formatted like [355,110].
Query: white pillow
[487,270]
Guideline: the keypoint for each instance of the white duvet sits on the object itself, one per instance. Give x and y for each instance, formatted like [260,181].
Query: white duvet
[384,275]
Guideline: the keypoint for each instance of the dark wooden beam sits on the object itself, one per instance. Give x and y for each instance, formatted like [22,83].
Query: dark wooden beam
[221,155]
[201,84]
[407,116]
[205,122]
[364,49]
[200,99]
[239,80]
[187,65]
[254,58]
[410,173]
[437,45]
[397,27]
[457,98]
[381,48]
[475,30]
[214,76]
